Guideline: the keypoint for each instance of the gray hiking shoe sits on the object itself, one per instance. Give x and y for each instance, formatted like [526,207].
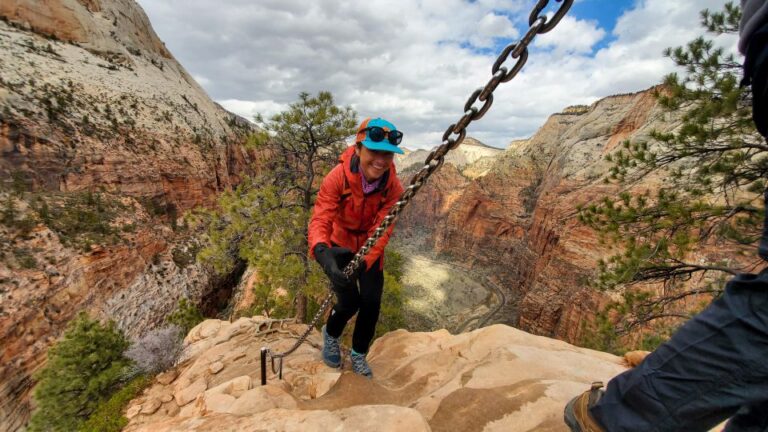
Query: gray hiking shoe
[331,350]
[360,365]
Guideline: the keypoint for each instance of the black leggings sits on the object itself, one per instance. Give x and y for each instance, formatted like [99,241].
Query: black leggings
[367,300]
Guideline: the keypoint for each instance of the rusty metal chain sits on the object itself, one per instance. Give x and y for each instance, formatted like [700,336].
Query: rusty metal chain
[452,138]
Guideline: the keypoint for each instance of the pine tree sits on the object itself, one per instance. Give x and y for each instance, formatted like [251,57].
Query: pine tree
[264,221]
[84,368]
[9,212]
[714,168]
[391,316]
[185,316]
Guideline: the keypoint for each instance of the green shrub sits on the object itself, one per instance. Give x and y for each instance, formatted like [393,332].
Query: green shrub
[9,211]
[84,219]
[186,316]
[108,416]
[393,263]
[84,368]
[19,182]
[185,254]
[391,316]
[43,211]
[606,332]
[25,258]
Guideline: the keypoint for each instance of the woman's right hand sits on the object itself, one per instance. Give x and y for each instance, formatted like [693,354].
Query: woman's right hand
[332,260]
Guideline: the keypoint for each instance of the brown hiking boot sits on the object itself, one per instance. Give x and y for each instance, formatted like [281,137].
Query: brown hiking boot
[576,413]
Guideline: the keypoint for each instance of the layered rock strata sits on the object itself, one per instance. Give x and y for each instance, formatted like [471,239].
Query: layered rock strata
[517,221]
[472,158]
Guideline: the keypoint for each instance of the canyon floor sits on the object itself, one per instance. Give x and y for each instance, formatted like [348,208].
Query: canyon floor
[440,294]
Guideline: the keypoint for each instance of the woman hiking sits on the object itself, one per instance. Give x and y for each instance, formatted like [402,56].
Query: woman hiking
[353,199]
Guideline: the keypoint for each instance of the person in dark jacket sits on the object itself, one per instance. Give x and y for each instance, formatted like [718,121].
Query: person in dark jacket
[353,200]
[715,367]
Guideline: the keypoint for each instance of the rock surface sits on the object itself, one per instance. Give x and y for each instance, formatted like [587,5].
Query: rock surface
[493,379]
[472,158]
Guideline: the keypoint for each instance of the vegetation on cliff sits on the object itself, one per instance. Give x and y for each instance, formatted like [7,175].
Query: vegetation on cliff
[713,169]
[264,220]
[391,316]
[185,316]
[108,416]
[84,368]
[94,371]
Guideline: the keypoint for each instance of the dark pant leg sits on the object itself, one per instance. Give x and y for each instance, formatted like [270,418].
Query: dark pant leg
[347,304]
[714,365]
[749,419]
[371,288]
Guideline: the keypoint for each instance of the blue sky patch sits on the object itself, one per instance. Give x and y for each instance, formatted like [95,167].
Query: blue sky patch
[605,12]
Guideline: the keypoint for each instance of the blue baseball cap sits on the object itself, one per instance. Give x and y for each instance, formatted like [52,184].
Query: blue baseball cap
[383,145]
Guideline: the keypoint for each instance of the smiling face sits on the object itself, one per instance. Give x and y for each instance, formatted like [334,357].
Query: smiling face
[373,163]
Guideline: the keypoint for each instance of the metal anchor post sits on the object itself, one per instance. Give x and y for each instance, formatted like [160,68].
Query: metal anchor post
[264,365]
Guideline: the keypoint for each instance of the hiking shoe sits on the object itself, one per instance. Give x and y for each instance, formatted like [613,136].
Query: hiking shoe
[576,413]
[360,365]
[331,350]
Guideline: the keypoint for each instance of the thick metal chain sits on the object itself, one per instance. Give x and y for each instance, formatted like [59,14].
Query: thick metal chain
[519,50]
[452,138]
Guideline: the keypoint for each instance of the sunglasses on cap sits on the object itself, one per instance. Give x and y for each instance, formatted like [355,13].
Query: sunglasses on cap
[377,134]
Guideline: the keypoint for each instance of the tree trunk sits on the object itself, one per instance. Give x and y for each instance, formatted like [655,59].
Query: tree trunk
[301,297]
[301,307]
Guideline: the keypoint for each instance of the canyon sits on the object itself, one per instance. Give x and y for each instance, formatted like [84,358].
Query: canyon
[515,218]
[100,124]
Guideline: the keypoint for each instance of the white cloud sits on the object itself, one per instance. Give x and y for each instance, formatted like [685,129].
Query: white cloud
[572,35]
[415,63]
[493,26]
[248,109]
[203,81]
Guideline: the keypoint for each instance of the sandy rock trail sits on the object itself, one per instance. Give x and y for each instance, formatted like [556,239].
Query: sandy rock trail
[493,379]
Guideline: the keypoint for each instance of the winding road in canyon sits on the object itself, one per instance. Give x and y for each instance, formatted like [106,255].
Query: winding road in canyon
[440,294]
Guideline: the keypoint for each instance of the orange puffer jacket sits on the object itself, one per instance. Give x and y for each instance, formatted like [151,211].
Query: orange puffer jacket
[344,216]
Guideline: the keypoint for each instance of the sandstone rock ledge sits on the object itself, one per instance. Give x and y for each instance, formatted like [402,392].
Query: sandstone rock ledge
[493,379]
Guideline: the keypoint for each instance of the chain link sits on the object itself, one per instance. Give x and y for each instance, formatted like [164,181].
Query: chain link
[529,35]
[519,50]
[549,25]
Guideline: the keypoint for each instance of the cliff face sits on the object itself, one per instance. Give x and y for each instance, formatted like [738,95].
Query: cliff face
[472,158]
[105,141]
[103,26]
[108,108]
[518,220]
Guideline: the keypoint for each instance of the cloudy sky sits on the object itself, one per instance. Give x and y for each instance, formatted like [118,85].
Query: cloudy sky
[415,62]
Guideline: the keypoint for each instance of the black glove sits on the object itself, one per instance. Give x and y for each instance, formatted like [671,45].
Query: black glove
[343,257]
[332,260]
